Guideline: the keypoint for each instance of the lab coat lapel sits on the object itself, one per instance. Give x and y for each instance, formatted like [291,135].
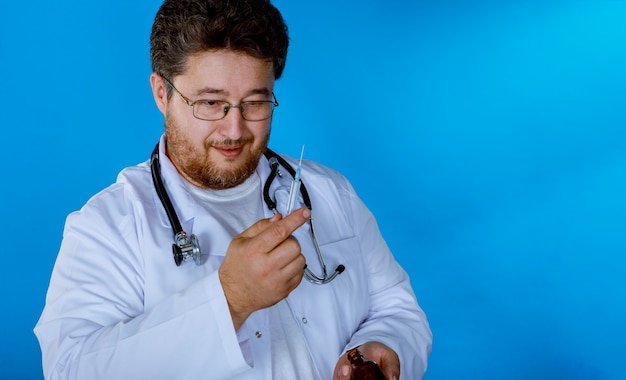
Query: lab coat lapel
[182,200]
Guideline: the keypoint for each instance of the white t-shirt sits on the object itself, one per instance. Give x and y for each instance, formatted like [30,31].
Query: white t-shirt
[238,208]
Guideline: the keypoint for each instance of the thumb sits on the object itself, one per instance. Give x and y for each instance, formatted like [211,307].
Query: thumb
[344,372]
[343,369]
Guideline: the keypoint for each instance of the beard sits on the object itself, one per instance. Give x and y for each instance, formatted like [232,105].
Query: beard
[197,167]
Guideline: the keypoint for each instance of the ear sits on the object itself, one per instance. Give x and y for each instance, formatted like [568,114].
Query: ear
[159,91]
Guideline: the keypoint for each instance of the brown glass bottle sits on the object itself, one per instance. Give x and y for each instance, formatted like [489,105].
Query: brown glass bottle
[364,369]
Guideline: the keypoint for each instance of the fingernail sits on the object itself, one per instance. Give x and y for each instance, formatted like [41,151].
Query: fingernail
[345,370]
[275,217]
[306,213]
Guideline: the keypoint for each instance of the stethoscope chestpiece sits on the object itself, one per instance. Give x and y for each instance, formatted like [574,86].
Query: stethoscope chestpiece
[186,247]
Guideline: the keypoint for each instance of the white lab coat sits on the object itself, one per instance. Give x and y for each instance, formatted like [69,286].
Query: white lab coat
[119,308]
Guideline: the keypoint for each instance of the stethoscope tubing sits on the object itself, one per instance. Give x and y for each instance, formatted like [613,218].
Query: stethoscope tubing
[162,193]
[275,160]
[186,246]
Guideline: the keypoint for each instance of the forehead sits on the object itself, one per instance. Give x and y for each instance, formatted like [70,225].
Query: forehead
[227,71]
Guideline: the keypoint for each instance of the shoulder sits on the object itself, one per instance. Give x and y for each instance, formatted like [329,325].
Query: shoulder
[316,174]
[117,201]
[327,180]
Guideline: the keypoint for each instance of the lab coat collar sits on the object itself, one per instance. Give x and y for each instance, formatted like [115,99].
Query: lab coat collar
[185,205]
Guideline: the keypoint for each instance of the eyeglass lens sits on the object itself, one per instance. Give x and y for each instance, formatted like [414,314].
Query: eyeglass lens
[215,110]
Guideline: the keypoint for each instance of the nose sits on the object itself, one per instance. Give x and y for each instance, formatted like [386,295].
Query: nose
[232,125]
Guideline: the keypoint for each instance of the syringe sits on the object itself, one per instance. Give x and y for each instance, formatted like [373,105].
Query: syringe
[295,185]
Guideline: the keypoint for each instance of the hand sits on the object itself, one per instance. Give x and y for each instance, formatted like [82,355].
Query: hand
[263,265]
[384,356]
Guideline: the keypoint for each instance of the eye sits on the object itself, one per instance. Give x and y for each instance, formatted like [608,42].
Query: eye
[254,104]
[210,103]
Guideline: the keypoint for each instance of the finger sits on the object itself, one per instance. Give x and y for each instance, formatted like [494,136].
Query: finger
[259,226]
[390,365]
[277,232]
[294,264]
[285,253]
[391,375]
[296,277]
[297,218]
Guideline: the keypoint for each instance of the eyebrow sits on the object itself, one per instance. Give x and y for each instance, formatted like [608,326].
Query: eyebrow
[217,91]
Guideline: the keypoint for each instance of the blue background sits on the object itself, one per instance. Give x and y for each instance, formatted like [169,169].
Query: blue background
[487,136]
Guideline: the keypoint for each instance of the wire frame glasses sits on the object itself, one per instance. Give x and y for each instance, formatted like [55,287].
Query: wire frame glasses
[211,110]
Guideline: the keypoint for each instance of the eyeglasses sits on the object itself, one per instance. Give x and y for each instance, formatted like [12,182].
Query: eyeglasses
[211,110]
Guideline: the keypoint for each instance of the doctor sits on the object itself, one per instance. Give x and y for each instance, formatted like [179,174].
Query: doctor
[119,307]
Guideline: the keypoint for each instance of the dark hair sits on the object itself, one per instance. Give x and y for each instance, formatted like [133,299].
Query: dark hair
[182,28]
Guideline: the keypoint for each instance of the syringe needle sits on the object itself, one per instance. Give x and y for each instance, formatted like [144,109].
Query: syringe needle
[295,185]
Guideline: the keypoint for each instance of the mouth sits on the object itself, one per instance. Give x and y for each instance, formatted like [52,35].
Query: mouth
[229,151]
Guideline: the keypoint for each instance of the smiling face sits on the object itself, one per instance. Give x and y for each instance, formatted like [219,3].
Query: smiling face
[217,154]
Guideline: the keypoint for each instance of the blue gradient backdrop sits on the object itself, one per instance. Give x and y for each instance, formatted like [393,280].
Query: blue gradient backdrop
[488,137]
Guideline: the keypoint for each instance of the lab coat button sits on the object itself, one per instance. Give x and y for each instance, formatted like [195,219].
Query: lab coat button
[304,320]
[258,334]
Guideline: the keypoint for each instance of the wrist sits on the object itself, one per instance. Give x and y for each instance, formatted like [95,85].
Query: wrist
[238,313]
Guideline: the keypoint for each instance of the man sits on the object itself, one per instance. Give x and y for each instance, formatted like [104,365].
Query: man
[118,307]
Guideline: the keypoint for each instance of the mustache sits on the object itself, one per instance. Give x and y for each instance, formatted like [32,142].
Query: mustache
[228,142]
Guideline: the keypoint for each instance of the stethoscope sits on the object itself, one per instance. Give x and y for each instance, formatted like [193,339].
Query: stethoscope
[186,246]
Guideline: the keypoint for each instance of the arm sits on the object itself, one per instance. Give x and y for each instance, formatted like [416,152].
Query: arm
[96,323]
[95,326]
[395,323]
